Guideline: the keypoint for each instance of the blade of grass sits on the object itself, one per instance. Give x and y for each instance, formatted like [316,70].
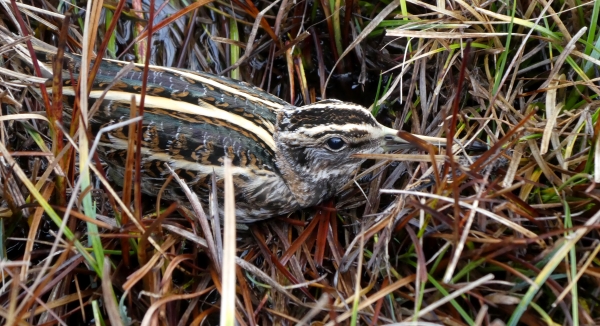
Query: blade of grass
[55,112]
[250,45]
[357,287]
[546,272]
[572,262]
[234,50]
[47,208]
[372,25]
[449,297]
[99,321]
[375,109]
[514,20]
[593,50]
[199,211]
[92,16]
[109,301]
[34,221]
[162,24]
[111,47]
[228,292]
[388,290]
[545,317]
[337,28]
[590,48]
[503,57]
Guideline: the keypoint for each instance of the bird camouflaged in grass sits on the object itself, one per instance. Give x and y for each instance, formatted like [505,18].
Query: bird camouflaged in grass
[285,157]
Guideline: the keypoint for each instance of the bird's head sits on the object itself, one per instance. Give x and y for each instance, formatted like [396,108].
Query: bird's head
[316,143]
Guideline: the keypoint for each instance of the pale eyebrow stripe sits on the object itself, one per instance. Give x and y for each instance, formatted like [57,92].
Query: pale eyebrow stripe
[341,129]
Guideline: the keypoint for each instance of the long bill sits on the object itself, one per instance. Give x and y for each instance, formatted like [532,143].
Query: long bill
[392,140]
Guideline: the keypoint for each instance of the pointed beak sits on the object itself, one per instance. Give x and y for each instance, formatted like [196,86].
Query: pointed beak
[393,142]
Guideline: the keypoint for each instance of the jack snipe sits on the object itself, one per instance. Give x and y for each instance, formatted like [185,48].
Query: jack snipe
[285,157]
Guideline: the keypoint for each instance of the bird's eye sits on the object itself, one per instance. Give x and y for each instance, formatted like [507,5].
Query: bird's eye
[335,143]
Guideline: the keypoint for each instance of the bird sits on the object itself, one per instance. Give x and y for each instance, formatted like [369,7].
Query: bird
[285,157]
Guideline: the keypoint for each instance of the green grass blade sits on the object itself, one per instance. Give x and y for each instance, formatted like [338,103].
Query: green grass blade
[504,56]
[234,49]
[455,304]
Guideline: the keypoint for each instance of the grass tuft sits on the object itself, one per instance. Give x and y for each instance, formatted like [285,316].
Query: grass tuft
[506,233]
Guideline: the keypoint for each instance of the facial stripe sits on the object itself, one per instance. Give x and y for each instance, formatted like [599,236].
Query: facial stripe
[355,135]
[348,130]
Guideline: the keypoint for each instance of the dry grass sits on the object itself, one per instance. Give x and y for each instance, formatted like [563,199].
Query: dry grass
[507,236]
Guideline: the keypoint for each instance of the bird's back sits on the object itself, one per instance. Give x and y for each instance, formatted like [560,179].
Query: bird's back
[192,121]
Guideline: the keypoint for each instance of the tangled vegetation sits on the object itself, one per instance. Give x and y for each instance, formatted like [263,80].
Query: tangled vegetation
[504,235]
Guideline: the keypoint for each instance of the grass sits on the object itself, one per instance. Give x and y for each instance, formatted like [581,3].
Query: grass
[511,238]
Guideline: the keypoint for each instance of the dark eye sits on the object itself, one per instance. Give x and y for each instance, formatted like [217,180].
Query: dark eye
[335,143]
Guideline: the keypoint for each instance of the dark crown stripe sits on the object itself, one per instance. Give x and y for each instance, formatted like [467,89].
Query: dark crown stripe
[315,116]
[352,133]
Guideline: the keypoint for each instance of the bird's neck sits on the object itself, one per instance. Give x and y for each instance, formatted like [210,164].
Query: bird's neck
[310,183]
[306,189]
